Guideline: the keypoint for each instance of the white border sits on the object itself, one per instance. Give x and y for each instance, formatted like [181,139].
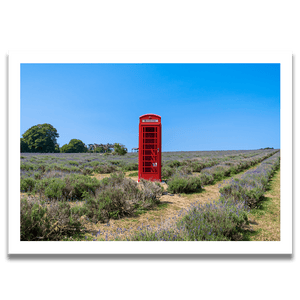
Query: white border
[151,48]
[282,247]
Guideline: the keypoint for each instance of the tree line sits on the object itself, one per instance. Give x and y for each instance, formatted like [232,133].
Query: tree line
[42,138]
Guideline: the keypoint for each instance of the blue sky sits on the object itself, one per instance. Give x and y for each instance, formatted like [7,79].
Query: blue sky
[203,106]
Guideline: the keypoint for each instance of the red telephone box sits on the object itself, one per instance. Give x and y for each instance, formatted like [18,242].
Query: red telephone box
[150,147]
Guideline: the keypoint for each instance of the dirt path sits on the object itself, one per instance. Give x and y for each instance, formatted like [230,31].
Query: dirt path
[172,208]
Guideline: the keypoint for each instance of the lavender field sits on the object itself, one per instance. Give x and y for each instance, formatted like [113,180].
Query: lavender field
[33,164]
[223,219]
[62,189]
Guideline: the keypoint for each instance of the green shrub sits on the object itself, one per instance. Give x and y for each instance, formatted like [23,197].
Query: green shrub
[214,222]
[118,196]
[130,167]
[28,166]
[184,184]
[173,164]
[93,163]
[119,149]
[159,185]
[72,187]
[109,204]
[167,172]
[32,214]
[54,188]
[74,169]
[78,185]
[185,170]
[40,222]
[151,191]
[86,171]
[116,162]
[218,175]
[206,179]
[243,191]
[198,166]
[78,210]
[210,222]
[27,184]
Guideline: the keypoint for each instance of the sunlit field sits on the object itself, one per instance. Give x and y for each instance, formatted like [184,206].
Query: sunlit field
[96,196]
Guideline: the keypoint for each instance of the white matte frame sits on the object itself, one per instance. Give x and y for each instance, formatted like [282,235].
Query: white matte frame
[284,246]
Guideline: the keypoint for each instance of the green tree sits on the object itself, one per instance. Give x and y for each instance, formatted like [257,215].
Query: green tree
[64,148]
[74,146]
[119,149]
[77,146]
[24,146]
[57,150]
[99,150]
[41,138]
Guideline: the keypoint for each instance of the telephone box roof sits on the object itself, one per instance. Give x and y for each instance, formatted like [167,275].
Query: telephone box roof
[150,115]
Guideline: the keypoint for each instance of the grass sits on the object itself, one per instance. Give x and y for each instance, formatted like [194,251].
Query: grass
[159,206]
[134,174]
[194,194]
[265,220]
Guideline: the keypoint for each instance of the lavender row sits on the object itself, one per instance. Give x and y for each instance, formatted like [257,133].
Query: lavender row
[239,164]
[182,182]
[220,220]
[252,185]
[228,163]
[202,222]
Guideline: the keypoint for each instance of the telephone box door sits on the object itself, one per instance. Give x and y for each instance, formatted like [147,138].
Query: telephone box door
[150,149]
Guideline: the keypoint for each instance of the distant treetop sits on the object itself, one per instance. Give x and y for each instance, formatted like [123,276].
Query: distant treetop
[40,138]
